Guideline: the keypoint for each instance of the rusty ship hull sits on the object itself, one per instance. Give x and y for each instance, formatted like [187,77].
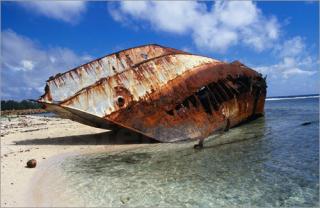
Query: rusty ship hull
[163,93]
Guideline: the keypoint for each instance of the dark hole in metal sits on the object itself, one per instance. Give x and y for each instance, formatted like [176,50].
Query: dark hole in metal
[186,103]
[213,88]
[231,88]
[178,107]
[213,100]
[244,84]
[193,101]
[170,112]
[114,69]
[202,95]
[226,90]
[221,92]
[120,101]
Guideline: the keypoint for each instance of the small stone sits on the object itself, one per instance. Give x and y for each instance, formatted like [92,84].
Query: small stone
[11,183]
[5,155]
[43,158]
[31,163]
[124,199]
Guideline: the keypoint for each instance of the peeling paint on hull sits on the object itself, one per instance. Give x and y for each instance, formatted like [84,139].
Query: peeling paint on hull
[166,94]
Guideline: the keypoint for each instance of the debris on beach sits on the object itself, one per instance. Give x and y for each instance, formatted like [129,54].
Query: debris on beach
[31,163]
[163,93]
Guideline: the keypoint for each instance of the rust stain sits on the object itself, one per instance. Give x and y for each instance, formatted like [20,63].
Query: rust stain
[163,93]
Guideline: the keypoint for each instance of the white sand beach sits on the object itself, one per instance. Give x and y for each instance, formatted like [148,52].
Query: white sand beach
[28,137]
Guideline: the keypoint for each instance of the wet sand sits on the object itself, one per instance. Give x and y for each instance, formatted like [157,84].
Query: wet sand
[26,137]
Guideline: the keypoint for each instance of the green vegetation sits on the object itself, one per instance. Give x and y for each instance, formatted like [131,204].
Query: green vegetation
[14,105]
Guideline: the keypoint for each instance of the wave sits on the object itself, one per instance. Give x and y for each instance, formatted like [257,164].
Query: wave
[293,98]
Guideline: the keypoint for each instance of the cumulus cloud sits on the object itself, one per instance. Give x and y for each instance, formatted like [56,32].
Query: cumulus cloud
[293,60]
[292,47]
[215,28]
[68,11]
[26,65]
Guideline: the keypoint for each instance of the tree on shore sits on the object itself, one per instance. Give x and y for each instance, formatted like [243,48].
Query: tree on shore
[15,105]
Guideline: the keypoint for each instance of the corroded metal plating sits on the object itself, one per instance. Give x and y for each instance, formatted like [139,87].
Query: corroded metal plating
[163,93]
[62,86]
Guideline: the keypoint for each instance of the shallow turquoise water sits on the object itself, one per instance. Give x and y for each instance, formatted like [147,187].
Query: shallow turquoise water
[273,161]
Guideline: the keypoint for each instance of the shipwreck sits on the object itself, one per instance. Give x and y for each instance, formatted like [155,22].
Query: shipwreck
[163,93]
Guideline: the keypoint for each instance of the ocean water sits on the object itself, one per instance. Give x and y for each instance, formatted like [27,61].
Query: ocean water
[272,161]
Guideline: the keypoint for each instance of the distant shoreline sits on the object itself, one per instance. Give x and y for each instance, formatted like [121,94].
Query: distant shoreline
[292,97]
[288,96]
[22,112]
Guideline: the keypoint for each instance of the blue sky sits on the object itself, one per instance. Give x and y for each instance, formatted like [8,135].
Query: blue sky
[40,39]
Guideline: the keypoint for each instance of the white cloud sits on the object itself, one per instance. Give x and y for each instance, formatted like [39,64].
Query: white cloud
[291,47]
[218,28]
[295,71]
[236,14]
[68,11]
[293,60]
[26,66]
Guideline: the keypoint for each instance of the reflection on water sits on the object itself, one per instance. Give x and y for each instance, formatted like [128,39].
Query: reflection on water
[272,161]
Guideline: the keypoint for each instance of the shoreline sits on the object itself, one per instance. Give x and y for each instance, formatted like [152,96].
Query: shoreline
[23,112]
[25,137]
[43,192]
